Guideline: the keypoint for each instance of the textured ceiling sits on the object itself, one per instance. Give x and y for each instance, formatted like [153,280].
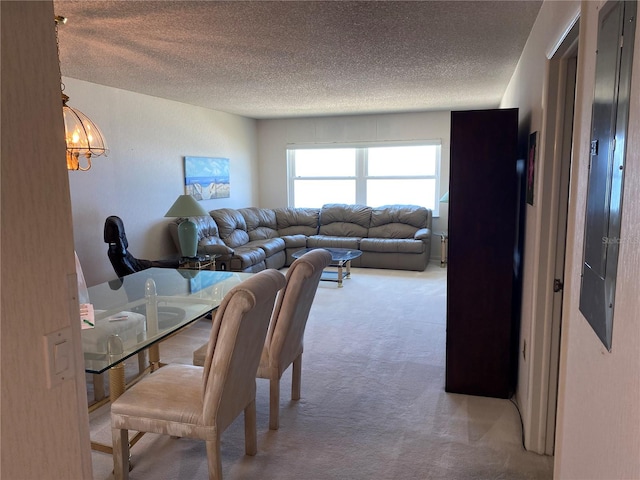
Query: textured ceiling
[274,59]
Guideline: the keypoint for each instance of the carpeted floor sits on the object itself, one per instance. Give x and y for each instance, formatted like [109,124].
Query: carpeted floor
[373,403]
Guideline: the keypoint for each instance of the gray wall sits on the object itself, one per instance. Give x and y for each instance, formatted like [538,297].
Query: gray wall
[148,138]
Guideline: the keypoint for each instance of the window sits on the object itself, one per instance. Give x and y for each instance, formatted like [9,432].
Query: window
[376,175]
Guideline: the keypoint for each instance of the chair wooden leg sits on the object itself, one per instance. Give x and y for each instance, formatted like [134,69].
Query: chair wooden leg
[142,362]
[120,453]
[98,387]
[250,429]
[296,378]
[274,402]
[213,459]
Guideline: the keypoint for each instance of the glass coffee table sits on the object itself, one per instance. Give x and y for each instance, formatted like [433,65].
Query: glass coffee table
[340,258]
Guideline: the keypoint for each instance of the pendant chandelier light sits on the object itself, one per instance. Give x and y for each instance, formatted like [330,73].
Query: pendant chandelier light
[82,136]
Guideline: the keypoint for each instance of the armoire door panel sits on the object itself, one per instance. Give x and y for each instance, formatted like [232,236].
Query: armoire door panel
[482,235]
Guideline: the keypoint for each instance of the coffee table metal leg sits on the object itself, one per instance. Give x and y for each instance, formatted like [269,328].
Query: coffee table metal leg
[340,274]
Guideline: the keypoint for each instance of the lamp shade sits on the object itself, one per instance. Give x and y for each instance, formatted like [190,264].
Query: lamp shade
[445,198]
[186,206]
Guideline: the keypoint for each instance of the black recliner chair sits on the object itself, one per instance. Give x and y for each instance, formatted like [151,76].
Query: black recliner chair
[123,262]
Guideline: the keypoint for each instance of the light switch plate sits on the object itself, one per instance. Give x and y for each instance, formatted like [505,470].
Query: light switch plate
[59,356]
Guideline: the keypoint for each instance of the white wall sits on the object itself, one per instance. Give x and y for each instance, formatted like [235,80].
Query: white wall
[45,431]
[527,91]
[599,404]
[599,391]
[148,138]
[275,135]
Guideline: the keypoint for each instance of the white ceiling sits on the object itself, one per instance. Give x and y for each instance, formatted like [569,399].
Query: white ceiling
[275,59]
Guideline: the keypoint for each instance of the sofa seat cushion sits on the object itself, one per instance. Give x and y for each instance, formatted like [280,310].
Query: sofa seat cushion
[258,267]
[340,220]
[214,248]
[393,231]
[297,221]
[247,256]
[387,245]
[271,246]
[293,241]
[335,242]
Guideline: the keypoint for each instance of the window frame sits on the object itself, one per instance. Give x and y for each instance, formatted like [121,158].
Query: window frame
[361,163]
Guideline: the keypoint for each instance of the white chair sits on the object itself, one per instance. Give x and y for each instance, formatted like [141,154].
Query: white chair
[201,402]
[284,342]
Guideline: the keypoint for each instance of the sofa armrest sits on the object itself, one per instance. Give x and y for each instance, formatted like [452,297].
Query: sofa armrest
[423,234]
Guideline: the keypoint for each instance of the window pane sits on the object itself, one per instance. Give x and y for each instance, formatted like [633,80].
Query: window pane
[315,193]
[412,192]
[325,162]
[409,160]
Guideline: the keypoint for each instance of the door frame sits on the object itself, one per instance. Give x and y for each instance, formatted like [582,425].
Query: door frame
[545,341]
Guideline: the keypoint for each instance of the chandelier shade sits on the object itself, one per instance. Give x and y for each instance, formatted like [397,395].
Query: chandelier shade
[82,136]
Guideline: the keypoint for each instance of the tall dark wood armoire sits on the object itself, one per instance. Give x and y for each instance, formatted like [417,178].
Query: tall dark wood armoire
[483,309]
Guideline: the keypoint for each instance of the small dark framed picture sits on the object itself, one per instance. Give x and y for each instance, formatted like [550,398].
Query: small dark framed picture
[531,166]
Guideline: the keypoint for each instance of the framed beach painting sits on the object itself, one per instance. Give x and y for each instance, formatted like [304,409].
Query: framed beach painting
[206,177]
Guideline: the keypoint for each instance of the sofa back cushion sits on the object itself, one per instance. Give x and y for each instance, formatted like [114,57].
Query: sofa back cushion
[207,227]
[297,221]
[261,223]
[231,226]
[398,221]
[342,220]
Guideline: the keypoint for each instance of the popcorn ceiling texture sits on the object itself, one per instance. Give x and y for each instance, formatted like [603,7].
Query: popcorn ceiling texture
[277,59]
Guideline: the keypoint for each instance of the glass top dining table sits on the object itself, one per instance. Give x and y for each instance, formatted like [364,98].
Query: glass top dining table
[136,312]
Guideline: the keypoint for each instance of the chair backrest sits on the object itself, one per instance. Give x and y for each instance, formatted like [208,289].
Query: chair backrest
[114,234]
[235,345]
[286,330]
[123,262]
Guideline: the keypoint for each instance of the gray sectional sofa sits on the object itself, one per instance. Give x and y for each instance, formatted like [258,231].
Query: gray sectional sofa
[252,239]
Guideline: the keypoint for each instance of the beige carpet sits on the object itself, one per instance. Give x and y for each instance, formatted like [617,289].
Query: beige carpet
[373,404]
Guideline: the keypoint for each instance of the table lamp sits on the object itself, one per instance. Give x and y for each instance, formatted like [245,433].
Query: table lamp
[186,206]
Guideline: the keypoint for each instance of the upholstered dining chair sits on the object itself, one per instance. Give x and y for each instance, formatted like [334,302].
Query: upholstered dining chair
[201,402]
[284,343]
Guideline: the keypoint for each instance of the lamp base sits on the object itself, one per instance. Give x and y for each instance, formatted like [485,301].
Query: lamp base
[188,237]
